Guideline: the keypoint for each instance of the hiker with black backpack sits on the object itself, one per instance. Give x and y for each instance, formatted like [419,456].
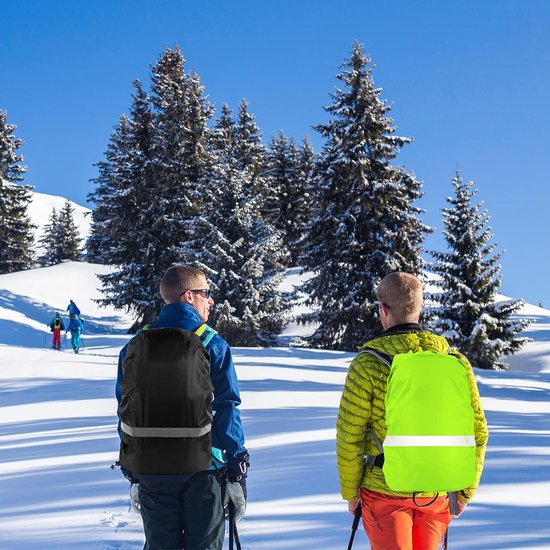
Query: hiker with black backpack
[181,434]
[411,431]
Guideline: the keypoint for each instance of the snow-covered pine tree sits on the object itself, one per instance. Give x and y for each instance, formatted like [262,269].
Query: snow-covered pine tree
[366,224]
[16,236]
[303,205]
[123,233]
[105,229]
[250,153]
[467,312]
[182,114]
[49,241]
[243,255]
[71,239]
[151,180]
[287,199]
[61,240]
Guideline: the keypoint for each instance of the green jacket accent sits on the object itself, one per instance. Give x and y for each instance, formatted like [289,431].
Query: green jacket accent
[362,404]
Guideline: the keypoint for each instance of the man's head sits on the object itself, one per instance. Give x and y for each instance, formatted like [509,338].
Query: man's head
[187,285]
[400,296]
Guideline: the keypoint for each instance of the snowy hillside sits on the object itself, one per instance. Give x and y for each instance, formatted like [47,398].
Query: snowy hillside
[58,435]
[40,210]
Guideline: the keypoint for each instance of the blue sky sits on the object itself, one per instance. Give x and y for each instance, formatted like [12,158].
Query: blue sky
[469,81]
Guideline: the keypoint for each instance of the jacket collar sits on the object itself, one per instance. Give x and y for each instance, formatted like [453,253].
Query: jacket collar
[404,327]
[179,311]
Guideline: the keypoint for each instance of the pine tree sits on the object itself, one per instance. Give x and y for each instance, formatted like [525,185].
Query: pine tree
[112,186]
[123,232]
[287,200]
[61,240]
[49,242]
[467,312]
[16,237]
[365,224]
[304,206]
[244,257]
[148,195]
[71,240]
[249,153]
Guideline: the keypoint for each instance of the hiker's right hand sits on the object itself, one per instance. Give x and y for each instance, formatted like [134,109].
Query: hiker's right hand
[352,506]
[461,508]
[236,494]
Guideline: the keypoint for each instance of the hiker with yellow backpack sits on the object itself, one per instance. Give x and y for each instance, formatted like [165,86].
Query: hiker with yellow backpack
[411,431]
[56,325]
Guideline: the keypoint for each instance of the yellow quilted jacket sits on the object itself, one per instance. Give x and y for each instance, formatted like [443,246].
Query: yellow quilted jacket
[362,403]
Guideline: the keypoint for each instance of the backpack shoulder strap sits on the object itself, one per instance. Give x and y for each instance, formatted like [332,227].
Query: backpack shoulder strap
[205,333]
[384,357]
[387,360]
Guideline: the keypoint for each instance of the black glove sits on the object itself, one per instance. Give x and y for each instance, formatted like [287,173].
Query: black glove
[237,466]
[235,489]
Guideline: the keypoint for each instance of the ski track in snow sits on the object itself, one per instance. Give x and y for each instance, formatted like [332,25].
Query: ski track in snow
[58,435]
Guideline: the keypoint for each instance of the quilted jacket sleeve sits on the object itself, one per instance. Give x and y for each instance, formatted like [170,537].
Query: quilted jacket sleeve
[353,418]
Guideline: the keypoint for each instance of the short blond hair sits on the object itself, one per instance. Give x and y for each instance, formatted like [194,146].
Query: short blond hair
[402,294]
[176,280]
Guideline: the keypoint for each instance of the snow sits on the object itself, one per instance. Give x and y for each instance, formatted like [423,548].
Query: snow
[58,434]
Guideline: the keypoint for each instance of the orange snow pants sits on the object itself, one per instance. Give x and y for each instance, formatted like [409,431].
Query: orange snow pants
[397,523]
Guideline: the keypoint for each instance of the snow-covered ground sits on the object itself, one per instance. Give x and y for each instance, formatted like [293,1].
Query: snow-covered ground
[58,435]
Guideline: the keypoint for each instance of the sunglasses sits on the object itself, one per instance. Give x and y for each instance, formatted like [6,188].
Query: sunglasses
[204,292]
[377,307]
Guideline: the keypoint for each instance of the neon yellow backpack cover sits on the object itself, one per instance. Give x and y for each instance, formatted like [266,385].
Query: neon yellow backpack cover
[430,443]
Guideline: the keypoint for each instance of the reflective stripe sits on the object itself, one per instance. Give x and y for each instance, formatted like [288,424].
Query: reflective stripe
[165,432]
[430,441]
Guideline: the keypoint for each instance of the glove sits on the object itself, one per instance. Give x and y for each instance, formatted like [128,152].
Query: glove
[235,488]
[134,497]
[237,467]
[234,494]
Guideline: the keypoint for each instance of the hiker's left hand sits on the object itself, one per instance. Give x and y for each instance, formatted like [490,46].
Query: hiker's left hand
[235,493]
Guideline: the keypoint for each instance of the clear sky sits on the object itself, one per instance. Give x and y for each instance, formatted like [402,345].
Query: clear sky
[468,80]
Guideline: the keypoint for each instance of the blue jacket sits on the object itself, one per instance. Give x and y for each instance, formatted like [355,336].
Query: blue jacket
[227,430]
[75,325]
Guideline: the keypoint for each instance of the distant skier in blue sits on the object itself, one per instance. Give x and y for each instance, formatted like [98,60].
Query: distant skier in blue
[76,326]
[73,310]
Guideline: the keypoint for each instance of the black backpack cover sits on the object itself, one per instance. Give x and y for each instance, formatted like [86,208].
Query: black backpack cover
[166,403]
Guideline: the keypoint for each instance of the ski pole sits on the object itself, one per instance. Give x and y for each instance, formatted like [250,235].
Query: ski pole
[355,525]
[233,534]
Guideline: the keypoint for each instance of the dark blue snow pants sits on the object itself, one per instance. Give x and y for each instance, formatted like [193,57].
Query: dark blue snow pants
[185,513]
